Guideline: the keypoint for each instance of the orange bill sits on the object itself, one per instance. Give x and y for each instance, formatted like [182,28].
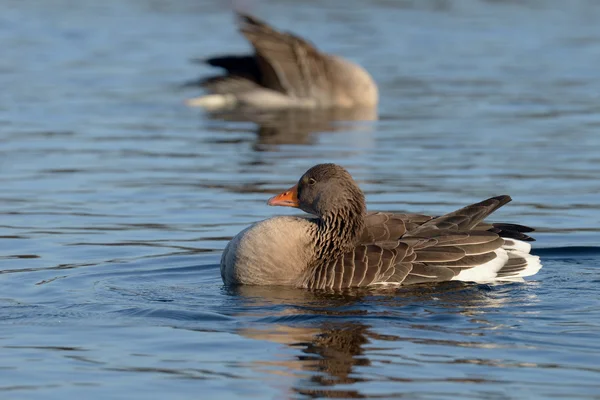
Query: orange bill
[289,198]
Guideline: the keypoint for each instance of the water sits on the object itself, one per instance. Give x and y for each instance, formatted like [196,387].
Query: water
[117,200]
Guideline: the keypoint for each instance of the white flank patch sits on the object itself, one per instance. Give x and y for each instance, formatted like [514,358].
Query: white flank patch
[485,272]
[212,101]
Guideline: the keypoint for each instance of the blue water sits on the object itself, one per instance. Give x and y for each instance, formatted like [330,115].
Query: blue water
[116,201]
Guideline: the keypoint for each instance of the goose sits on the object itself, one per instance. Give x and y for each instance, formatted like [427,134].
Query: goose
[285,71]
[341,245]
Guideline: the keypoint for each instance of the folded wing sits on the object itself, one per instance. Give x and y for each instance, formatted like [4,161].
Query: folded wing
[412,248]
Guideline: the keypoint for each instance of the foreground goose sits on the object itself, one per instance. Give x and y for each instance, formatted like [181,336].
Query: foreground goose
[285,71]
[344,246]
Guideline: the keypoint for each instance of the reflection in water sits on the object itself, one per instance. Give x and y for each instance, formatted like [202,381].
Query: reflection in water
[340,335]
[298,126]
[330,350]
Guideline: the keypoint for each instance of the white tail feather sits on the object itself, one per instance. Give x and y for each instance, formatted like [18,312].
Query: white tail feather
[531,268]
[488,272]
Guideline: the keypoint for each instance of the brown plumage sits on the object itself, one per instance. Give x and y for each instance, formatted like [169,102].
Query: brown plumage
[344,246]
[285,71]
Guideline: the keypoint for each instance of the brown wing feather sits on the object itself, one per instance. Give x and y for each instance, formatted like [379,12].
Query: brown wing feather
[466,261]
[288,63]
[439,254]
[481,248]
[381,226]
[423,273]
[464,219]
[228,84]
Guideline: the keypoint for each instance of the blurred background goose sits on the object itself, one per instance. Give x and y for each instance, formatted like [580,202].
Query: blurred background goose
[285,71]
[344,246]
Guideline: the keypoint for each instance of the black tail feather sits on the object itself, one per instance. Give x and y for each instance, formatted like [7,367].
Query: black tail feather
[513,231]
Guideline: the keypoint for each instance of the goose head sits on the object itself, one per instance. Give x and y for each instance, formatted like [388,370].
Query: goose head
[325,190]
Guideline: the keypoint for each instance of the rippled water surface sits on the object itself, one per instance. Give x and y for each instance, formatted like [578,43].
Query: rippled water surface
[116,201]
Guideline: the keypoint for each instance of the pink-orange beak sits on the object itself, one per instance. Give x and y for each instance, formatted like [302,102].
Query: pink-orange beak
[289,198]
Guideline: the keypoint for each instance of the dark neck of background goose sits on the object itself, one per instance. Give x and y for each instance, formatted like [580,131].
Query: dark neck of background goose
[339,229]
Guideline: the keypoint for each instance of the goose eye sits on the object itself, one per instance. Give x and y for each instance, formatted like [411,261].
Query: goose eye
[311,181]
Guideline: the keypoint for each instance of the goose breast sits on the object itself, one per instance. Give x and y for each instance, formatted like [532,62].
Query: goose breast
[275,251]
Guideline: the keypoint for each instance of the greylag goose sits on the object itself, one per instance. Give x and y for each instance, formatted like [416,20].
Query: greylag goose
[285,71]
[345,246]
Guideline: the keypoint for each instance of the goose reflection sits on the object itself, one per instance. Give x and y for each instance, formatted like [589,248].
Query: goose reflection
[299,127]
[338,333]
[330,350]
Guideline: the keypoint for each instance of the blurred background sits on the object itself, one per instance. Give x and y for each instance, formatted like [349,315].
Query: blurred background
[116,199]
